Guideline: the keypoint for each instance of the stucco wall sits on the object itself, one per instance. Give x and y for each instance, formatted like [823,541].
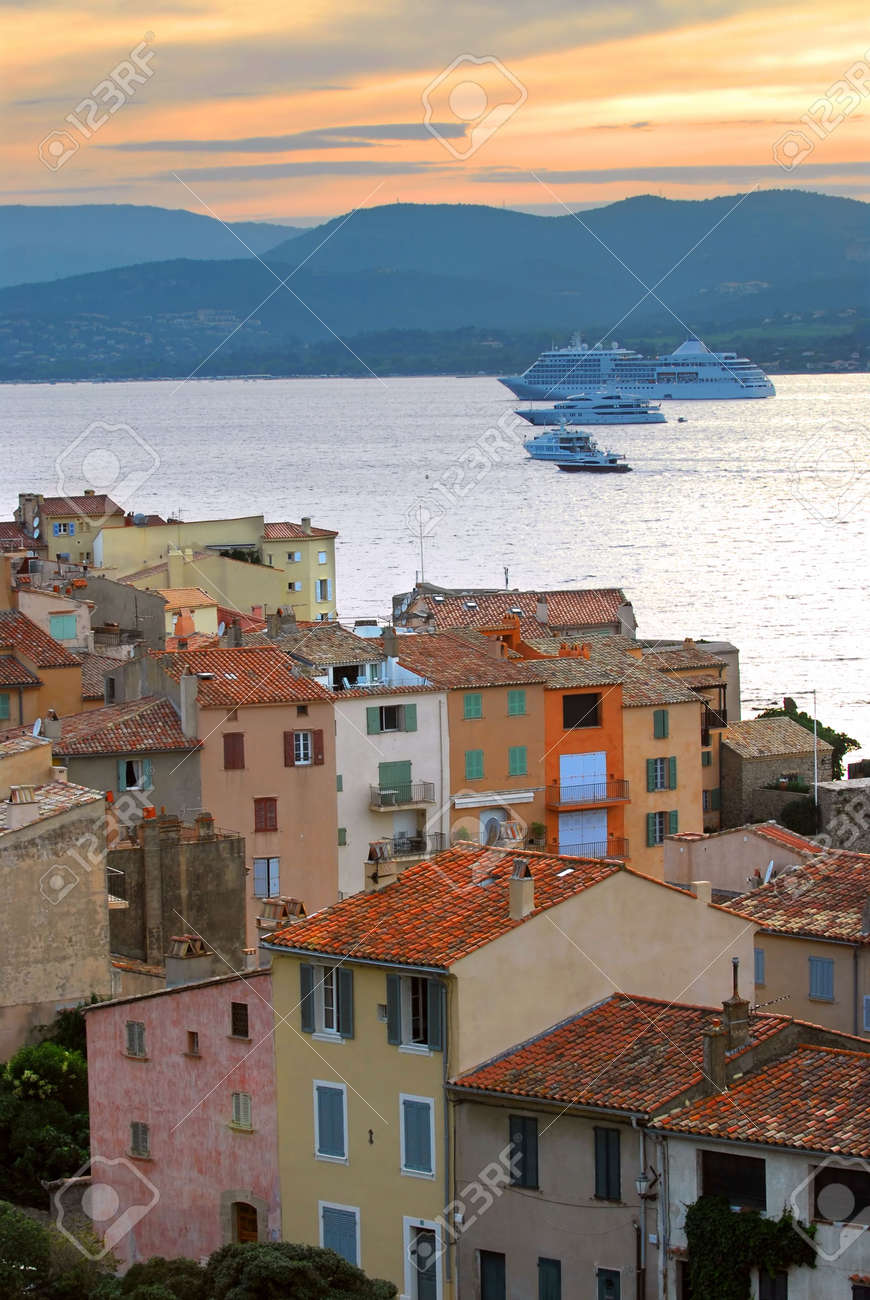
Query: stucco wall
[28,767]
[728,860]
[787,981]
[682,742]
[39,607]
[607,737]
[845,812]
[175,776]
[308,570]
[131,548]
[117,602]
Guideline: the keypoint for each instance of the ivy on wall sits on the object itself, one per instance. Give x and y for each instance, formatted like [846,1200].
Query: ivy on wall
[725,1245]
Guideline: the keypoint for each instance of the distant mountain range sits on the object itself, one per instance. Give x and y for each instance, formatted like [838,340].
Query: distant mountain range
[773,265]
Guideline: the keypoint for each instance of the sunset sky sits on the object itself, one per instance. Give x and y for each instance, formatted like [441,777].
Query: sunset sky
[296,112]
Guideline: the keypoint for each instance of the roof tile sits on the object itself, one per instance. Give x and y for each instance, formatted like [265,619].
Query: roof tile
[149,725]
[17,630]
[241,676]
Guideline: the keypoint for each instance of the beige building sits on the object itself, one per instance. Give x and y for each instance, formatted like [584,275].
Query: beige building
[67,526]
[202,608]
[735,860]
[63,618]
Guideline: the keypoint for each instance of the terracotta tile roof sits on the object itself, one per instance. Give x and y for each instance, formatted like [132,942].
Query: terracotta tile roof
[94,669]
[186,597]
[13,673]
[779,835]
[642,684]
[12,532]
[17,630]
[569,671]
[284,531]
[576,608]
[770,737]
[69,507]
[247,622]
[461,658]
[674,658]
[365,692]
[194,641]
[21,743]
[150,725]
[812,1098]
[240,676]
[54,798]
[441,910]
[627,1053]
[326,644]
[824,898]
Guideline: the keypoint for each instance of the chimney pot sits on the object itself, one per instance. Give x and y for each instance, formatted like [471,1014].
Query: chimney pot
[521,890]
[715,1048]
[306,523]
[704,890]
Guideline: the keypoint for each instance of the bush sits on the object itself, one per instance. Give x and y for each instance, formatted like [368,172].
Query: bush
[49,1072]
[800,816]
[39,1262]
[43,1120]
[282,1270]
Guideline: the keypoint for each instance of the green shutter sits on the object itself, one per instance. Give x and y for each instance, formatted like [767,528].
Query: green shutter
[342,836]
[660,724]
[122,774]
[339,783]
[716,799]
[517,761]
[650,830]
[672,773]
[394,1009]
[4,705]
[516,703]
[434,996]
[650,774]
[472,705]
[396,777]
[473,764]
[673,822]
[147,776]
[706,758]
[373,720]
[410,717]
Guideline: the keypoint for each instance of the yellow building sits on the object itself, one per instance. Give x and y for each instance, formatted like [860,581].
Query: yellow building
[202,608]
[67,526]
[307,556]
[382,998]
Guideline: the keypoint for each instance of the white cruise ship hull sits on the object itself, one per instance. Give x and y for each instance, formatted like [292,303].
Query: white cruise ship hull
[710,390]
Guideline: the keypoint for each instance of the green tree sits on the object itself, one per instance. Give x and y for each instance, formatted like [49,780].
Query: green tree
[285,1271]
[43,1120]
[39,1262]
[68,1027]
[842,744]
[48,1071]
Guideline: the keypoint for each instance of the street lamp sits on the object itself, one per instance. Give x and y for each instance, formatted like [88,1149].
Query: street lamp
[645,1183]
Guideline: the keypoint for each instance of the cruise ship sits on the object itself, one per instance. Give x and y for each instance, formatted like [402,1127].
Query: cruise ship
[691,372]
[595,408]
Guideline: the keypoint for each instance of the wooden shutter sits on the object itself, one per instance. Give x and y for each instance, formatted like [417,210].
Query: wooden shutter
[607,1173]
[234,750]
[242,1109]
[759,971]
[306,997]
[122,774]
[650,774]
[373,720]
[660,724]
[261,877]
[650,830]
[435,1017]
[239,1020]
[289,750]
[345,1002]
[523,1133]
[317,748]
[716,799]
[417,1135]
[549,1279]
[394,1009]
[672,773]
[330,1122]
[410,718]
[673,821]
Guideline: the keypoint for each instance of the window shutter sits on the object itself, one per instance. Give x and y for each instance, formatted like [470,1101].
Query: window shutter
[410,717]
[650,774]
[866,1013]
[317,748]
[306,997]
[55,528]
[650,830]
[716,799]
[607,1179]
[672,773]
[330,1121]
[394,1009]
[261,868]
[72,530]
[660,724]
[345,1002]
[147,781]
[342,837]
[759,973]
[517,760]
[373,720]
[435,1000]
[122,774]
[289,756]
[673,821]
[417,1121]
[242,1109]
[549,1279]
[274,877]
[523,1133]
[4,706]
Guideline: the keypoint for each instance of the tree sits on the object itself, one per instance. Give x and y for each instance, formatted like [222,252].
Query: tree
[282,1270]
[43,1119]
[68,1027]
[841,743]
[48,1071]
[39,1262]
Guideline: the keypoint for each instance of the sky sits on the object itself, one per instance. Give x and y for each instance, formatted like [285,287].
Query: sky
[264,110]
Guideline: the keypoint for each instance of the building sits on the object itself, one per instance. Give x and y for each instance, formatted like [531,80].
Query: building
[737,859]
[198,604]
[37,673]
[766,763]
[65,619]
[576,613]
[66,526]
[306,554]
[844,813]
[398,990]
[183,1115]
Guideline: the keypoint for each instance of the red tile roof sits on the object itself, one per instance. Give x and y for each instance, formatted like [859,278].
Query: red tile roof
[628,1053]
[51,799]
[779,835]
[68,507]
[244,675]
[824,898]
[17,630]
[461,658]
[150,725]
[284,531]
[440,911]
[12,532]
[94,669]
[770,738]
[812,1098]
[565,609]
[247,622]
[13,673]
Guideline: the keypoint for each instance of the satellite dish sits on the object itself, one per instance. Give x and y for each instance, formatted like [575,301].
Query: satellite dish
[769,872]
[37,727]
[222,627]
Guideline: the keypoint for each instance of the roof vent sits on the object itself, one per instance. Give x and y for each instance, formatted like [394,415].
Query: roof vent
[439,600]
[515,609]
[471,604]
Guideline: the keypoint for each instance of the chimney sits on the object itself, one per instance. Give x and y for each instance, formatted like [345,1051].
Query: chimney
[22,808]
[287,620]
[187,689]
[306,523]
[52,727]
[521,890]
[233,635]
[152,871]
[89,492]
[715,1047]
[704,890]
[541,612]
[273,626]
[391,642]
[188,960]
[204,826]
[688,642]
[175,569]
[736,1012]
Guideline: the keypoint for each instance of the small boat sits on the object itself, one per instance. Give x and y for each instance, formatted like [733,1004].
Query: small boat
[596,408]
[682,419]
[573,450]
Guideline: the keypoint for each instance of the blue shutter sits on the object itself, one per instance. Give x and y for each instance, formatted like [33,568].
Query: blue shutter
[394,1009]
[55,528]
[822,978]
[306,998]
[434,995]
[339,1232]
[147,780]
[417,1122]
[260,877]
[122,774]
[274,877]
[345,1002]
[4,705]
[330,1122]
[759,965]
[549,1279]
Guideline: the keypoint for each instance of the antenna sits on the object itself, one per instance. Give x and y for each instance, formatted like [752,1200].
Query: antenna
[420,523]
[507,577]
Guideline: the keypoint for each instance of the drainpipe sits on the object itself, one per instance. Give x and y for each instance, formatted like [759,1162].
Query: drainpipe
[855,1018]
[450,1263]
[640,1227]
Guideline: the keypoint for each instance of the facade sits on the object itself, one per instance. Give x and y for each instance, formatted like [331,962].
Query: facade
[64,619]
[67,526]
[737,859]
[760,755]
[306,554]
[37,673]
[182,1110]
[124,615]
[198,604]
[574,613]
[844,812]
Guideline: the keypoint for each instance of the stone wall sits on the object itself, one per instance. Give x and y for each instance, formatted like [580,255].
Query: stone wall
[844,807]
[744,782]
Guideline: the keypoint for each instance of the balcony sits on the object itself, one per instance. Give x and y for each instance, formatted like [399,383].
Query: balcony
[712,719]
[405,794]
[615,847]
[594,792]
[116,888]
[406,846]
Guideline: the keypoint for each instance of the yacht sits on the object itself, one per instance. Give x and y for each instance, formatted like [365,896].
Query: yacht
[692,372]
[596,408]
[572,449]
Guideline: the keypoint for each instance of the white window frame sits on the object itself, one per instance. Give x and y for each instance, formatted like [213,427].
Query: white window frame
[350,1209]
[238,1120]
[293,557]
[138,1035]
[430,1102]
[661,821]
[321,557]
[277,877]
[408,1225]
[303,741]
[406,1013]
[661,771]
[400,718]
[321,590]
[140,774]
[318,1154]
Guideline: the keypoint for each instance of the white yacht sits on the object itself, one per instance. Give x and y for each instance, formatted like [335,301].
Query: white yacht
[691,372]
[573,450]
[596,408]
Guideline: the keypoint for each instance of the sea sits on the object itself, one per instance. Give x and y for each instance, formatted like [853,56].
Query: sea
[745,521]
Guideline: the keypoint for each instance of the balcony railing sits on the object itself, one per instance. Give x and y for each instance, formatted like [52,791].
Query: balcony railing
[403,792]
[588,792]
[116,887]
[714,718]
[615,847]
[406,846]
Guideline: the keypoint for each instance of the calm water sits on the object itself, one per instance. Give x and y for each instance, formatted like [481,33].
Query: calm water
[749,522]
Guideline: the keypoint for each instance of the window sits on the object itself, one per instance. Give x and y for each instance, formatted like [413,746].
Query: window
[391,717]
[301,710]
[706,758]
[660,824]
[62,627]
[330,1121]
[267,877]
[140,1139]
[866,1002]
[326,1000]
[549,1279]
[234,751]
[472,705]
[660,724]
[417,1135]
[135,1038]
[759,966]
[294,556]
[705,800]
[523,1133]
[242,1110]
[303,748]
[245,1225]
[239,1020]
[342,837]
[192,1043]
[474,764]
[339,783]
[517,761]
[62,530]
[609,1284]
[339,1231]
[741,1179]
[860,1292]
[656,774]
[134,774]
[581,711]
[323,589]
[822,978]
[321,557]
[516,703]
[608,1184]
[492,1275]
[772,1288]
[265,814]
[841,1195]
[414,1012]
[4,705]
[294,586]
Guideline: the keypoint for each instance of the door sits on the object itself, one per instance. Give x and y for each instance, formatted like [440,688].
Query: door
[394,780]
[424,1261]
[582,770]
[405,830]
[339,1232]
[608,1284]
[245,1226]
[587,827]
[492,1275]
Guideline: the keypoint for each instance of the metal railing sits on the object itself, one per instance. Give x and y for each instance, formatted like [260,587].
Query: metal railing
[391,796]
[615,847]
[116,883]
[588,792]
[714,718]
[406,846]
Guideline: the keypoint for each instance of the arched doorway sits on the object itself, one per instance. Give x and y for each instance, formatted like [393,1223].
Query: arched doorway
[244,1222]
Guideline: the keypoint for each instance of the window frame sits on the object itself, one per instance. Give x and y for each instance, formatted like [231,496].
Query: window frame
[138,1051]
[429,1102]
[574,700]
[707,1155]
[333,1086]
[238,1110]
[271,863]
[302,741]
[235,1015]
[265,812]
[822,966]
[140,1152]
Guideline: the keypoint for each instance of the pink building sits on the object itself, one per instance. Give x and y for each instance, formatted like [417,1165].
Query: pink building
[183,1119]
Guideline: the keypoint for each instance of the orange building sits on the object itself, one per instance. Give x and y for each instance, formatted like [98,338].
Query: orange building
[37,673]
